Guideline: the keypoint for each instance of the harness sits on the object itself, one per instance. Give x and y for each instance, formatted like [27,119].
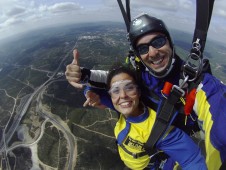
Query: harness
[192,72]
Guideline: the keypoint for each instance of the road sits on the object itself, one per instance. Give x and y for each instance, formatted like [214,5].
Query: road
[14,122]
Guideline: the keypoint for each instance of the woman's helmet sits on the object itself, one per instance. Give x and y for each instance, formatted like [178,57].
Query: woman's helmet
[143,25]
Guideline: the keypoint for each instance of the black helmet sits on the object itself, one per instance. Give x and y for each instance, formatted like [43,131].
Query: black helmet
[143,25]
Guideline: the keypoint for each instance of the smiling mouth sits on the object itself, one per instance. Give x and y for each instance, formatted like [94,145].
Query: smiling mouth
[125,104]
[157,61]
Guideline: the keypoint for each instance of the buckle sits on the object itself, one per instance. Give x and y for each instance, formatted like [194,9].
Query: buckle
[194,63]
[180,90]
[134,155]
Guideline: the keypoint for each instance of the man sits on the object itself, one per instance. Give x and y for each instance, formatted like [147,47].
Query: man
[158,64]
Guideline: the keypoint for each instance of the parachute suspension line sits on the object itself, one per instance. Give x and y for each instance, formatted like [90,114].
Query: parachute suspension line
[125,13]
[131,54]
[128,10]
[211,3]
[194,63]
[127,19]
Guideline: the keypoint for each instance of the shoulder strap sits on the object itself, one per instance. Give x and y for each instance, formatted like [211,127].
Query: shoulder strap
[203,16]
[164,118]
[194,63]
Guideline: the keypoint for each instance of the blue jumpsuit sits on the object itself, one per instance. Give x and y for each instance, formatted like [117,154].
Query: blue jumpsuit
[209,107]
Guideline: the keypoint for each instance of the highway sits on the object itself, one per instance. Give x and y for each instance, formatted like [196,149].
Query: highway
[14,121]
[59,124]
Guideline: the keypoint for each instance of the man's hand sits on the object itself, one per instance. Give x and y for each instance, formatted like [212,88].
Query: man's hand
[73,71]
[93,99]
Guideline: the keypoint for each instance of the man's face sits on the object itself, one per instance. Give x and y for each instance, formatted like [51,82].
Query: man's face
[155,51]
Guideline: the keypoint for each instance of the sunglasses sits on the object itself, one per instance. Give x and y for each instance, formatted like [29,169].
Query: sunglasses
[156,42]
[128,87]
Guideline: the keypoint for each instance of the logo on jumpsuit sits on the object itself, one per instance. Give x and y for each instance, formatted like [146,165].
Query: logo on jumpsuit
[135,144]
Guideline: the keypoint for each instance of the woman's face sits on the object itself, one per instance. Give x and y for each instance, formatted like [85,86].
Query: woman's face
[124,95]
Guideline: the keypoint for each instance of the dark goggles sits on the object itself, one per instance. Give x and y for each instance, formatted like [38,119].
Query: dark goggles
[156,42]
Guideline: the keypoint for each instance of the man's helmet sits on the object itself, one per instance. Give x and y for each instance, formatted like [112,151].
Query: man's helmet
[143,25]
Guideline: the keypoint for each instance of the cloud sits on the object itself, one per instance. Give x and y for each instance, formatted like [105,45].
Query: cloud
[185,5]
[172,5]
[11,21]
[222,13]
[220,8]
[21,15]
[15,11]
[64,7]
[6,4]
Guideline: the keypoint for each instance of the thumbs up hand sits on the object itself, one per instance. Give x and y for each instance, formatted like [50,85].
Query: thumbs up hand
[76,56]
[73,71]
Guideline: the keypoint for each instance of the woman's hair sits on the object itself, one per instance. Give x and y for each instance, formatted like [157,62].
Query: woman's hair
[118,68]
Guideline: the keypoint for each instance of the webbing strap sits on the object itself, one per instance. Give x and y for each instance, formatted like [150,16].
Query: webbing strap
[126,15]
[204,10]
[194,63]
[164,117]
[134,155]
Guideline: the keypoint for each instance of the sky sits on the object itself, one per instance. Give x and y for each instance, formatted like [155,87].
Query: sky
[17,16]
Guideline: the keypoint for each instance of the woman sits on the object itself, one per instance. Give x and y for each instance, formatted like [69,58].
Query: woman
[135,125]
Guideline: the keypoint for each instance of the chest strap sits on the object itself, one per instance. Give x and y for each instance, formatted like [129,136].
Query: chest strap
[165,115]
[156,156]
[135,155]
